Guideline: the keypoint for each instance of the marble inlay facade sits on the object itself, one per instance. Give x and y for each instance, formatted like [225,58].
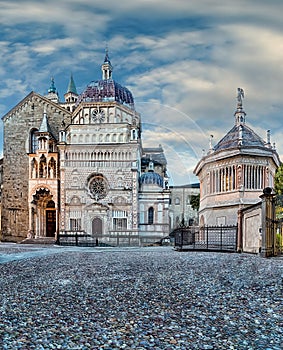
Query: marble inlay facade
[79,165]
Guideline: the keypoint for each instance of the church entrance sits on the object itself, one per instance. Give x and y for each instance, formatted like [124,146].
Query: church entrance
[97,227]
[50,223]
[43,217]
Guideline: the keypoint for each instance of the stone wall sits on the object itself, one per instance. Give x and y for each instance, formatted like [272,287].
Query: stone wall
[251,229]
[17,126]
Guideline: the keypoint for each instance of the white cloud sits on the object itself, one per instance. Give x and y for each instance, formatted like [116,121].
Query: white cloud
[50,46]
[12,86]
[183,76]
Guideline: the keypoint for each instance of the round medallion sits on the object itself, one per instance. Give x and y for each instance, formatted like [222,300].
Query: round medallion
[98,115]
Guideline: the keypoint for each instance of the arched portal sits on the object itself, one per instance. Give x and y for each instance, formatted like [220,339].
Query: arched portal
[97,227]
[43,214]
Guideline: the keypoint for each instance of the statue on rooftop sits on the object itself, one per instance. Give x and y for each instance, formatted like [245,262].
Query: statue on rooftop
[240,96]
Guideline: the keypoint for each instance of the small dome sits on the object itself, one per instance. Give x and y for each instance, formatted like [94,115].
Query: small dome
[151,178]
[106,91]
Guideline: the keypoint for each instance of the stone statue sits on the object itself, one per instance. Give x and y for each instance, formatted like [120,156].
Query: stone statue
[51,173]
[240,95]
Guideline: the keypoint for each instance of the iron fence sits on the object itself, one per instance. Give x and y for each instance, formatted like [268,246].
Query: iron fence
[111,239]
[77,238]
[213,238]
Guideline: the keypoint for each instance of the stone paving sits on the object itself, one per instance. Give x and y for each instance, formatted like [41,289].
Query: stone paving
[138,298]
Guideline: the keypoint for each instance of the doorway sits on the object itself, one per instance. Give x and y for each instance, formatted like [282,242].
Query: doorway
[50,223]
[43,214]
[97,227]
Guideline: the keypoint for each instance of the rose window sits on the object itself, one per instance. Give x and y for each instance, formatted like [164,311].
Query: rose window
[98,115]
[98,187]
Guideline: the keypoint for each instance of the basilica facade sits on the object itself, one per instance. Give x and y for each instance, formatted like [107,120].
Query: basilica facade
[235,171]
[79,166]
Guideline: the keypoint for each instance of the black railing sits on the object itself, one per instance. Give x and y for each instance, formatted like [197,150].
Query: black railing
[77,238]
[214,238]
[110,239]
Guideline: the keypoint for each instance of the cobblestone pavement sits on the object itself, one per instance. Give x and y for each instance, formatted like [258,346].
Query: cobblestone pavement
[140,298]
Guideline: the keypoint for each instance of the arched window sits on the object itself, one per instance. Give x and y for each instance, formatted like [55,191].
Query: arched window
[42,143]
[177,200]
[150,215]
[33,141]
[50,204]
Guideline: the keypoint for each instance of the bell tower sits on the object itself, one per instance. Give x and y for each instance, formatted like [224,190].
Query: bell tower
[71,95]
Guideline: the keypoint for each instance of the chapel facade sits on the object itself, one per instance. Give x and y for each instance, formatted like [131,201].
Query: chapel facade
[79,166]
[235,171]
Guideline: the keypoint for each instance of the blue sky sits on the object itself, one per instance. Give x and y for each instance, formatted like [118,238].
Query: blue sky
[183,60]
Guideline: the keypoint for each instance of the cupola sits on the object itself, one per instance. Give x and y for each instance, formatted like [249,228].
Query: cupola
[52,93]
[106,89]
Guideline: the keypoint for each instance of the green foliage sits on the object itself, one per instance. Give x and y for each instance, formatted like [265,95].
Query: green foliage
[195,201]
[278,180]
[279,242]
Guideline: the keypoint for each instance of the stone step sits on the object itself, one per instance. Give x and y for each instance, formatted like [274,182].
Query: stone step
[39,240]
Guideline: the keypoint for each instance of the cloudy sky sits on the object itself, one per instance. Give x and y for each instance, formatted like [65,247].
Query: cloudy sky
[183,60]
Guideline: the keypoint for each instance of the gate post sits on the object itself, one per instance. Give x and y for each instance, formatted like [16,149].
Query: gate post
[221,233]
[57,238]
[207,237]
[267,218]
[76,238]
[239,232]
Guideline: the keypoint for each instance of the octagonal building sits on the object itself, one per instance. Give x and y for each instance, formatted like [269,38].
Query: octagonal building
[234,172]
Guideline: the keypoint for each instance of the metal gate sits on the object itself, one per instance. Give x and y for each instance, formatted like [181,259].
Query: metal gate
[279,237]
[209,238]
[272,228]
[278,201]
